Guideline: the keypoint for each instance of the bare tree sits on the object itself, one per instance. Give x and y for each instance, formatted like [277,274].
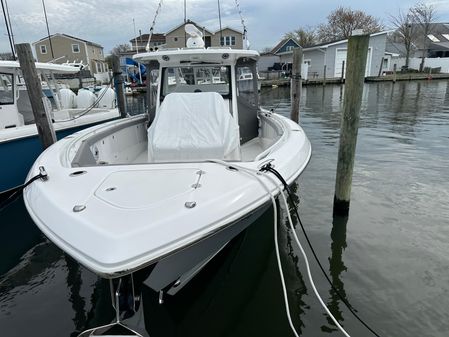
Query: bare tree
[120,48]
[305,36]
[342,21]
[424,16]
[405,31]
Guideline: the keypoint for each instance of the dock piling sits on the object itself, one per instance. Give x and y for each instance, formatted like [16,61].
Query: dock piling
[296,84]
[118,85]
[342,79]
[394,72]
[355,75]
[43,122]
[324,75]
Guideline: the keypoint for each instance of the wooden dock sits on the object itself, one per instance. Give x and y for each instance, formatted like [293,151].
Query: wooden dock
[337,80]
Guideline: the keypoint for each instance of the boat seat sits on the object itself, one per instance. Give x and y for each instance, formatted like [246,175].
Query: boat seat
[193,127]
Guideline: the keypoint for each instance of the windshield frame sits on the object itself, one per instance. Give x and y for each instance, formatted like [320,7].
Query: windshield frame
[164,73]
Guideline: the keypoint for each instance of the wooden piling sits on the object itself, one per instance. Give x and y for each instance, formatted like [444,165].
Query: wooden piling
[324,75]
[118,85]
[296,84]
[342,79]
[394,73]
[43,122]
[355,75]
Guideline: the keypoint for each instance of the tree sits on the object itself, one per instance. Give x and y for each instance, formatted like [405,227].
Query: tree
[424,16]
[405,31]
[306,36]
[342,21]
[120,48]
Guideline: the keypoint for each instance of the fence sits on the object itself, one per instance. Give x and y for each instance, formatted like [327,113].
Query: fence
[414,63]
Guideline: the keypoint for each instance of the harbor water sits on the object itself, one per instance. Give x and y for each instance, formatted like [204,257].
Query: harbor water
[389,258]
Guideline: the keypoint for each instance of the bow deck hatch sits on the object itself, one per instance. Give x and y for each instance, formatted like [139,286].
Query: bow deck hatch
[146,188]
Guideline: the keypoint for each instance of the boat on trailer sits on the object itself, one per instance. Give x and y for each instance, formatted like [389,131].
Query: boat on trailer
[18,133]
[170,189]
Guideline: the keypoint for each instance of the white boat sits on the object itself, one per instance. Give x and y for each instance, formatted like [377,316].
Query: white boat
[121,196]
[18,133]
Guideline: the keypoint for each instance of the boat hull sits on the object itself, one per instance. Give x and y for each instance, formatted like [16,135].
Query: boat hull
[119,218]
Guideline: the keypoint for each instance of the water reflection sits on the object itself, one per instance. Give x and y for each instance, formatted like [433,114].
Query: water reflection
[336,267]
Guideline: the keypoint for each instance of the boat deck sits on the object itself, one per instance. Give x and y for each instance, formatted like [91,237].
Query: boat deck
[249,151]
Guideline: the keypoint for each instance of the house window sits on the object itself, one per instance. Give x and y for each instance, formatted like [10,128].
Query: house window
[227,41]
[43,49]
[175,39]
[75,48]
[289,48]
[98,67]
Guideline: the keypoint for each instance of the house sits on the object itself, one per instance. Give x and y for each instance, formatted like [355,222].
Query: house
[271,60]
[332,57]
[140,42]
[228,37]
[65,48]
[177,37]
[437,42]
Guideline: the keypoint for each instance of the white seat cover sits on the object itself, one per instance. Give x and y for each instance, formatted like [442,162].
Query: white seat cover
[193,126]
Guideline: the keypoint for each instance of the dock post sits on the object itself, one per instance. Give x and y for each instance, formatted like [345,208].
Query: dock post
[342,79]
[355,76]
[394,73]
[43,122]
[118,85]
[380,68]
[296,84]
[324,75]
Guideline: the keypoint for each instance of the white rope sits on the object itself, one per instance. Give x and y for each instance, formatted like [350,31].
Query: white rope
[158,9]
[279,187]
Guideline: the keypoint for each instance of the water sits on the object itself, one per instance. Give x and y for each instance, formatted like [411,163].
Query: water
[389,258]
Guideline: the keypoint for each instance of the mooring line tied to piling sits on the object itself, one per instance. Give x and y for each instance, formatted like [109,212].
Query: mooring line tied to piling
[9,196]
[264,171]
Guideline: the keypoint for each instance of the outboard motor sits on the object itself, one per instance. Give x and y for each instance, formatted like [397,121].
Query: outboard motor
[107,98]
[85,98]
[67,98]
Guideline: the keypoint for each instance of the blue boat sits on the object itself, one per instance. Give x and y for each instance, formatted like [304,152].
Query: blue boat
[19,140]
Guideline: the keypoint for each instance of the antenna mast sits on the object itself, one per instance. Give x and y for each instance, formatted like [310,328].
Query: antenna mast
[245,32]
[11,43]
[219,20]
[48,31]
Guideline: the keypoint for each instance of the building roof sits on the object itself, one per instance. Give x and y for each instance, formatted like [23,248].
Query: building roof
[188,21]
[230,28]
[333,43]
[70,37]
[156,37]
[283,43]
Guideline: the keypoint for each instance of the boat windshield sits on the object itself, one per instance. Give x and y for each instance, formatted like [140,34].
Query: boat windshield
[6,89]
[203,78]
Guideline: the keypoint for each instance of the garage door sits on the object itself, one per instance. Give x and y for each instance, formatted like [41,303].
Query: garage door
[340,56]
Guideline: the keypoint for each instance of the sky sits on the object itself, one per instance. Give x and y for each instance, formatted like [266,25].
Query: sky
[110,22]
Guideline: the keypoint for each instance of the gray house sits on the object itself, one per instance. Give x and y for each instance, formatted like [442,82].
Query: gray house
[332,54]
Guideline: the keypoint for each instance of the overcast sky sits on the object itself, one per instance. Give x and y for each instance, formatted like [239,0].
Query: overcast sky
[110,22]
